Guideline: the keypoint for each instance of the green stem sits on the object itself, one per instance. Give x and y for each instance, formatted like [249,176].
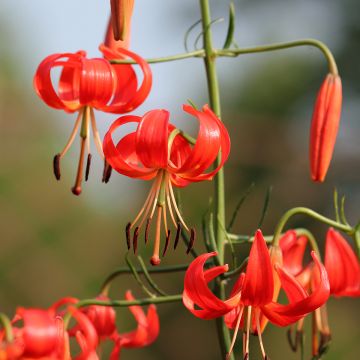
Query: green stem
[123,303]
[148,277]
[302,210]
[187,55]
[214,100]
[6,324]
[125,271]
[285,45]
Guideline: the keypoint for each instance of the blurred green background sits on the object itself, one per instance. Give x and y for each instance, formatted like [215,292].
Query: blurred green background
[55,244]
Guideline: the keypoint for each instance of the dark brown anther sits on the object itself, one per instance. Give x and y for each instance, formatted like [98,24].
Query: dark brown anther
[325,340]
[147,228]
[192,240]
[167,242]
[128,236]
[246,357]
[177,236]
[292,343]
[135,239]
[88,164]
[56,166]
[106,172]
[266,357]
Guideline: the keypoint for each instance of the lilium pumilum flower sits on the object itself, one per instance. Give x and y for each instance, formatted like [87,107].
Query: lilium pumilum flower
[103,320]
[42,336]
[343,270]
[158,150]
[86,84]
[324,126]
[252,294]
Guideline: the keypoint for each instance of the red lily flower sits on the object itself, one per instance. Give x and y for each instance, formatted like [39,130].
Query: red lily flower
[252,293]
[159,150]
[39,337]
[85,84]
[342,266]
[145,334]
[324,126]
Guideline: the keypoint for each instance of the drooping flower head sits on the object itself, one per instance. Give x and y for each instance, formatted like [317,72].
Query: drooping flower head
[99,322]
[86,84]
[324,126]
[158,150]
[253,293]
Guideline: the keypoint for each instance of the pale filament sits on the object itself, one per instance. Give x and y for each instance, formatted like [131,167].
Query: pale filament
[96,134]
[147,202]
[175,206]
[257,316]
[170,206]
[73,133]
[156,195]
[165,219]
[248,324]
[236,330]
[88,130]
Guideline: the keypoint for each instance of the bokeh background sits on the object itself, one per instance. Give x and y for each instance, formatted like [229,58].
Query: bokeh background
[54,244]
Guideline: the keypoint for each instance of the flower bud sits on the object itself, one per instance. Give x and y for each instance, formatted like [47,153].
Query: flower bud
[324,126]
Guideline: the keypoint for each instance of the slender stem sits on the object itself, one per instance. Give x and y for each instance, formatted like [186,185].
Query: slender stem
[214,100]
[148,277]
[126,270]
[125,303]
[187,55]
[285,45]
[302,210]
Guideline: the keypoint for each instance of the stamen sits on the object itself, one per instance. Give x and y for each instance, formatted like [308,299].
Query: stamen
[241,309]
[315,340]
[147,204]
[292,343]
[167,242]
[88,163]
[76,189]
[158,182]
[147,228]
[56,166]
[175,206]
[246,357]
[168,200]
[192,240]
[155,260]
[135,239]
[248,324]
[106,172]
[73,133]
[177,236]
[257,316]
[96,135]
[127,231]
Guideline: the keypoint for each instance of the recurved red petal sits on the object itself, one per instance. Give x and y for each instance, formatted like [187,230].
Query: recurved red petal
[212,138]
[342,265]
[152,139]
[43,84]
[125,163]
[197,293]
[126,97]
[148,326]
[300,303]
[293,249]
[259,282]
[324,126]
